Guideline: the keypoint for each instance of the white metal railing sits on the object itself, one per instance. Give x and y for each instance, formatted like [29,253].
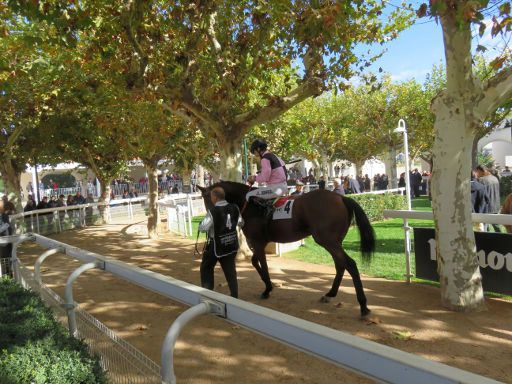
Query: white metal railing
[365,357]
[180,209]
[429,215]
[50,220]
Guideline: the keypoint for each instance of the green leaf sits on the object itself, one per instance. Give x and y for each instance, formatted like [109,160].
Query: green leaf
[505,8]
[481,29]
[480,48]
[422,10]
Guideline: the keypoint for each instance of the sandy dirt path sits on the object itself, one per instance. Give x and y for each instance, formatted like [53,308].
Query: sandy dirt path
[407,317]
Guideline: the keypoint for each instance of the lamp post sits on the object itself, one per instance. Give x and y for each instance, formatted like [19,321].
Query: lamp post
[402,128]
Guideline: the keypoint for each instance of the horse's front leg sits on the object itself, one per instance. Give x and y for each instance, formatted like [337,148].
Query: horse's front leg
[259,261]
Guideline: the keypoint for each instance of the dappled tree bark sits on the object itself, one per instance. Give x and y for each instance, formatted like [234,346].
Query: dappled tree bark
[231,162]
[390,164]
[153,219]
[459,110]
[358,165]
[105,198]
[12,181]
[200,176]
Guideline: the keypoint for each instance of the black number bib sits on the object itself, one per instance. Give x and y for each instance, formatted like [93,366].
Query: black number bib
[225,237]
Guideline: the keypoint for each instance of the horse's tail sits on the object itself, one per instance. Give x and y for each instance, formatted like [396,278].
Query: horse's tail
[366,232]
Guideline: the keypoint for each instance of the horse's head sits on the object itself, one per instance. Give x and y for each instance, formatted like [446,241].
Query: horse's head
[235,193]
[205,194]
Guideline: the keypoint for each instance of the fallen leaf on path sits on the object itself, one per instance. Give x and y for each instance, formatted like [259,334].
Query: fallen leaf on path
[142,328]
[402,335]
[372,320]
[338,305]
[235,327]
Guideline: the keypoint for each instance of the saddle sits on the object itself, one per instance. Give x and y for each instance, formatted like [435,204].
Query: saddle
[268,206]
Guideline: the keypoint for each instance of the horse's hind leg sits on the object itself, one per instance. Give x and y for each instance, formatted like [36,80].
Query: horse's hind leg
[358,284]
[340,270]
[343,261]
[259,262]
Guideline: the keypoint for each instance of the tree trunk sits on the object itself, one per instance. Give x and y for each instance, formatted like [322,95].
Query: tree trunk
[324,167]
[153,219]
[185,172]
[105,190]
[231,163]
[461,282]
[200,176]
[358,165]
[390,164]
[12,183]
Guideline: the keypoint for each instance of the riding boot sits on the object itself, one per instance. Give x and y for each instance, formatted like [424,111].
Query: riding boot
[269,209]
[267,206]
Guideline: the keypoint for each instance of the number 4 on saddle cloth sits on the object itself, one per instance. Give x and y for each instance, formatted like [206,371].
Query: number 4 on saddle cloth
[278,209]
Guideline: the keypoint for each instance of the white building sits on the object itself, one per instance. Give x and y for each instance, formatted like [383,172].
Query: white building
[499,142]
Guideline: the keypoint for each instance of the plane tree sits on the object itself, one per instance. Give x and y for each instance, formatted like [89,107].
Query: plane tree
[228,65]
[26,94]
[460,109]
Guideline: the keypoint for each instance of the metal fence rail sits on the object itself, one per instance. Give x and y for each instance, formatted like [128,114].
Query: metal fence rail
[58,219]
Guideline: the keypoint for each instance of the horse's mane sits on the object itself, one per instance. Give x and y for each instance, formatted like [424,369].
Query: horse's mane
[232,186]
[235,192]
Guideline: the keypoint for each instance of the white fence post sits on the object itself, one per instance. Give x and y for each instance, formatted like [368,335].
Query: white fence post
[40,259]
[407,233]
[206,306]
[70,303]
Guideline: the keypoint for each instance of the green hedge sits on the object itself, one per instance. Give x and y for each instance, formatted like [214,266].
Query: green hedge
[374,205]
[505,186]
[35,348]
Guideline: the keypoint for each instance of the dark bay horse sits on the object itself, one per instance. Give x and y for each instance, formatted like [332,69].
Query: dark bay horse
[322,214]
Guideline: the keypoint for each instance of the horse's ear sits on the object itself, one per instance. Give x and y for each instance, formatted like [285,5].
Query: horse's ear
[200,188]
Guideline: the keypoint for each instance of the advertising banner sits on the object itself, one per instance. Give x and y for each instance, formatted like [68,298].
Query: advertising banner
[494,253]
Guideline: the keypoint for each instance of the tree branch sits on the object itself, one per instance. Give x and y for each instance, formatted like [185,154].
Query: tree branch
[92,163]
[177,112]
[188,102]
[217,49]
[13,137]
[134,18]
[495,92]
[276,107]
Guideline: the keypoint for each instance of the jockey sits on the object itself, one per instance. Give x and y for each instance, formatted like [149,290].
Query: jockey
[273,174]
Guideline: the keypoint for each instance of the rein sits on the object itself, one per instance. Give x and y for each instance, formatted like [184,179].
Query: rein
[243,207]
[196,251]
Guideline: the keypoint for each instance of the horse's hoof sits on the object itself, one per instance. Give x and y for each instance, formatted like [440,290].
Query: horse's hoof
[365,313]
[265,295]
[325,299]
